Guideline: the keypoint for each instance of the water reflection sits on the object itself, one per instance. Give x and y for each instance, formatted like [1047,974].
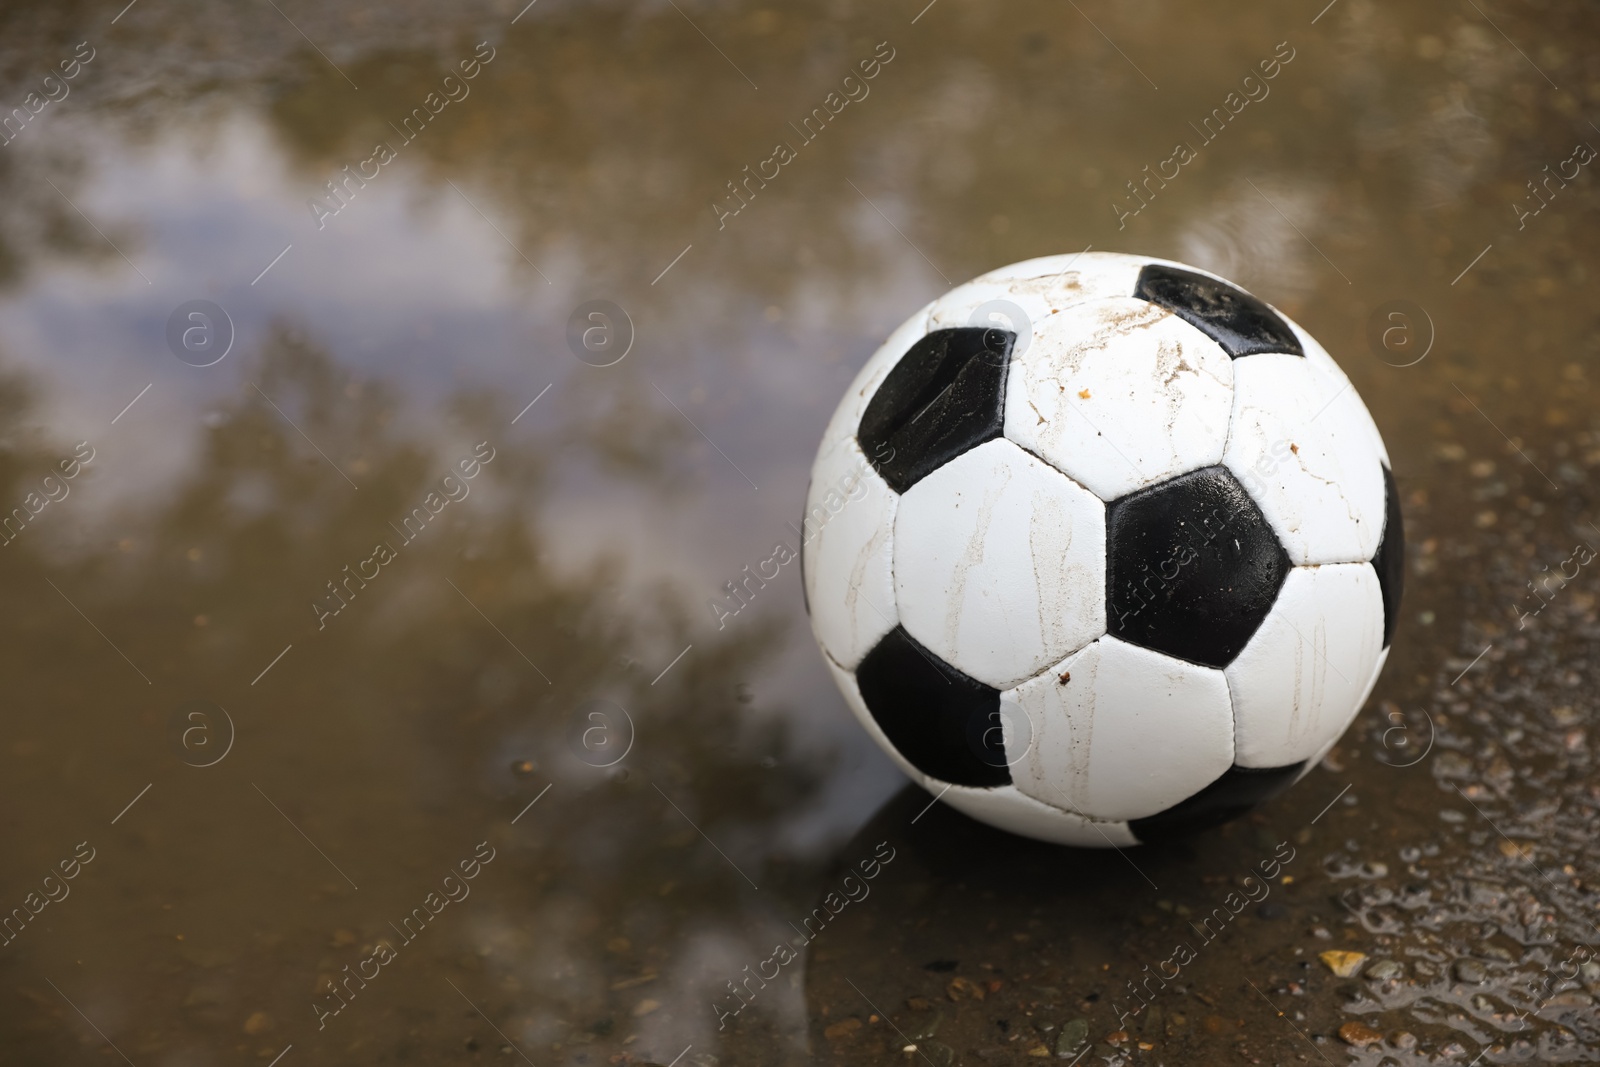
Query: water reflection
[394,728]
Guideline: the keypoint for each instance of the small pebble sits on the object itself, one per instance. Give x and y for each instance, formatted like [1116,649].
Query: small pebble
[1342,963]
[1470,971]
[1385,969]
[1512,850]
[960,988]
[1359,1034]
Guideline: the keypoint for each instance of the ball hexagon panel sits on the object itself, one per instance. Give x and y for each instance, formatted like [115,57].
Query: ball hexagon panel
[1019,813]
[1242,324]
[1039,288]
[805,582]
[846,553]
[1069,278]
[1372,681]
[1119,393]
[1193,568]
[993,305]
[999,563]
[1390,561]
[946,395]
[1166,732]
[1318,357]
[1231,795]
[1304,672]
[937,718]
[1307,458]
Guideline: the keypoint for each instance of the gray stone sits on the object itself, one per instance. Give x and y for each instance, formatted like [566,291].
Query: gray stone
[1072,1037]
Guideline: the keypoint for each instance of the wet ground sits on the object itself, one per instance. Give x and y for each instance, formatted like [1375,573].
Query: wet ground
[515,750]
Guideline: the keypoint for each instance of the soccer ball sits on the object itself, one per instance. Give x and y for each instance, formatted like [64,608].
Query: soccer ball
[1102,549]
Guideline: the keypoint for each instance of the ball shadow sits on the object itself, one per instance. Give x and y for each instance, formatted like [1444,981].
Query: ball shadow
[936,930]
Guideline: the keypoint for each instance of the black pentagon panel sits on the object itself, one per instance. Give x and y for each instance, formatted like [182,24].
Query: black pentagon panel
[1236,792]
[1192,567]
[1390,562]
[1239,322]
[940,720]
[946,395]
